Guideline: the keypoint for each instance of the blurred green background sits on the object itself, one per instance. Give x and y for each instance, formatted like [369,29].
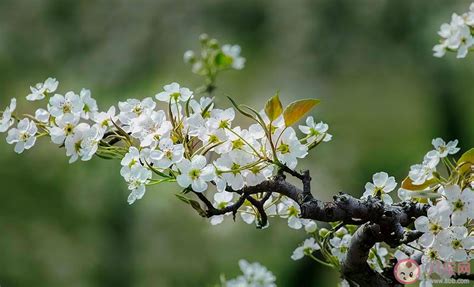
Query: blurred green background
[383,94]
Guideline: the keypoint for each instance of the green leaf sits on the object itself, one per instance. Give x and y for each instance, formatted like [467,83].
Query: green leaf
[222,60]
[466,161]
[351,228]
[182,198]
[238,108]
[273,107]
[206,109]
[197,207]
[194,204]
[296,110]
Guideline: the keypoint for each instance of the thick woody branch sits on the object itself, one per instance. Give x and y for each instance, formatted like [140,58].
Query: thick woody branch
[355,267]
[343,208]
[379,222]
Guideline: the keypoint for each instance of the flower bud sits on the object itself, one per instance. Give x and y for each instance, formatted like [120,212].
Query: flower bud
[189,57]
[214,44]
[311,227]
[323,232]
[203,38]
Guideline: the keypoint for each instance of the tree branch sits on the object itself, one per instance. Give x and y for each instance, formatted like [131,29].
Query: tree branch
[212,211]
[379,222]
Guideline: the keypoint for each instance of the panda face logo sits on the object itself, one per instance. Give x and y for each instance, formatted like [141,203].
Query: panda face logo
[407,271]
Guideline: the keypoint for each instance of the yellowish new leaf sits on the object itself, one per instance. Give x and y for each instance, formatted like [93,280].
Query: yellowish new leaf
[296,110]
[466,161]
[273,108]
[407,183]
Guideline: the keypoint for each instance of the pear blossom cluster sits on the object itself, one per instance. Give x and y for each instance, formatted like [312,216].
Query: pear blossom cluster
[340,243]
[253,275]
[420,173]
[188,140]
[447,226]
[178,135]
[67,119]
[334,253]
[447,231]
[456,35]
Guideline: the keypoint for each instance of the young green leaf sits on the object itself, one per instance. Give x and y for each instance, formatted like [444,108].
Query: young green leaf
[194,204]
[296,110]
[238,108]
[222,60]
[273,108]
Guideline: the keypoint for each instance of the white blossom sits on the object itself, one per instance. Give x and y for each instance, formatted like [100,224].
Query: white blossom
[174,93]
[90,104]
[289,148]
[137,179]
[188,56]
[42,115]
[381,186]
[60,105]
[254,275]
[258,174]
[105,119]
[420,173]
[83,143]
[23,136]
[440,49]
[288,208]
[460,204]
[150,127]
[456,35]
[167,153]
[444,149]
[195,173]
[461,41]
[6,120]
[221,200]
[310,226]
[340,246]
[200,107]
[130,159]
[221,119]
[315,131]
[432,224]
[133,108]
[308,247]
[67,126]
[378,252]
[230,168]
[39,91]
[233,52]
[455,243]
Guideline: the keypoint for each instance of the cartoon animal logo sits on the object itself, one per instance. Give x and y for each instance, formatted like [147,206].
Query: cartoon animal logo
[407,271]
